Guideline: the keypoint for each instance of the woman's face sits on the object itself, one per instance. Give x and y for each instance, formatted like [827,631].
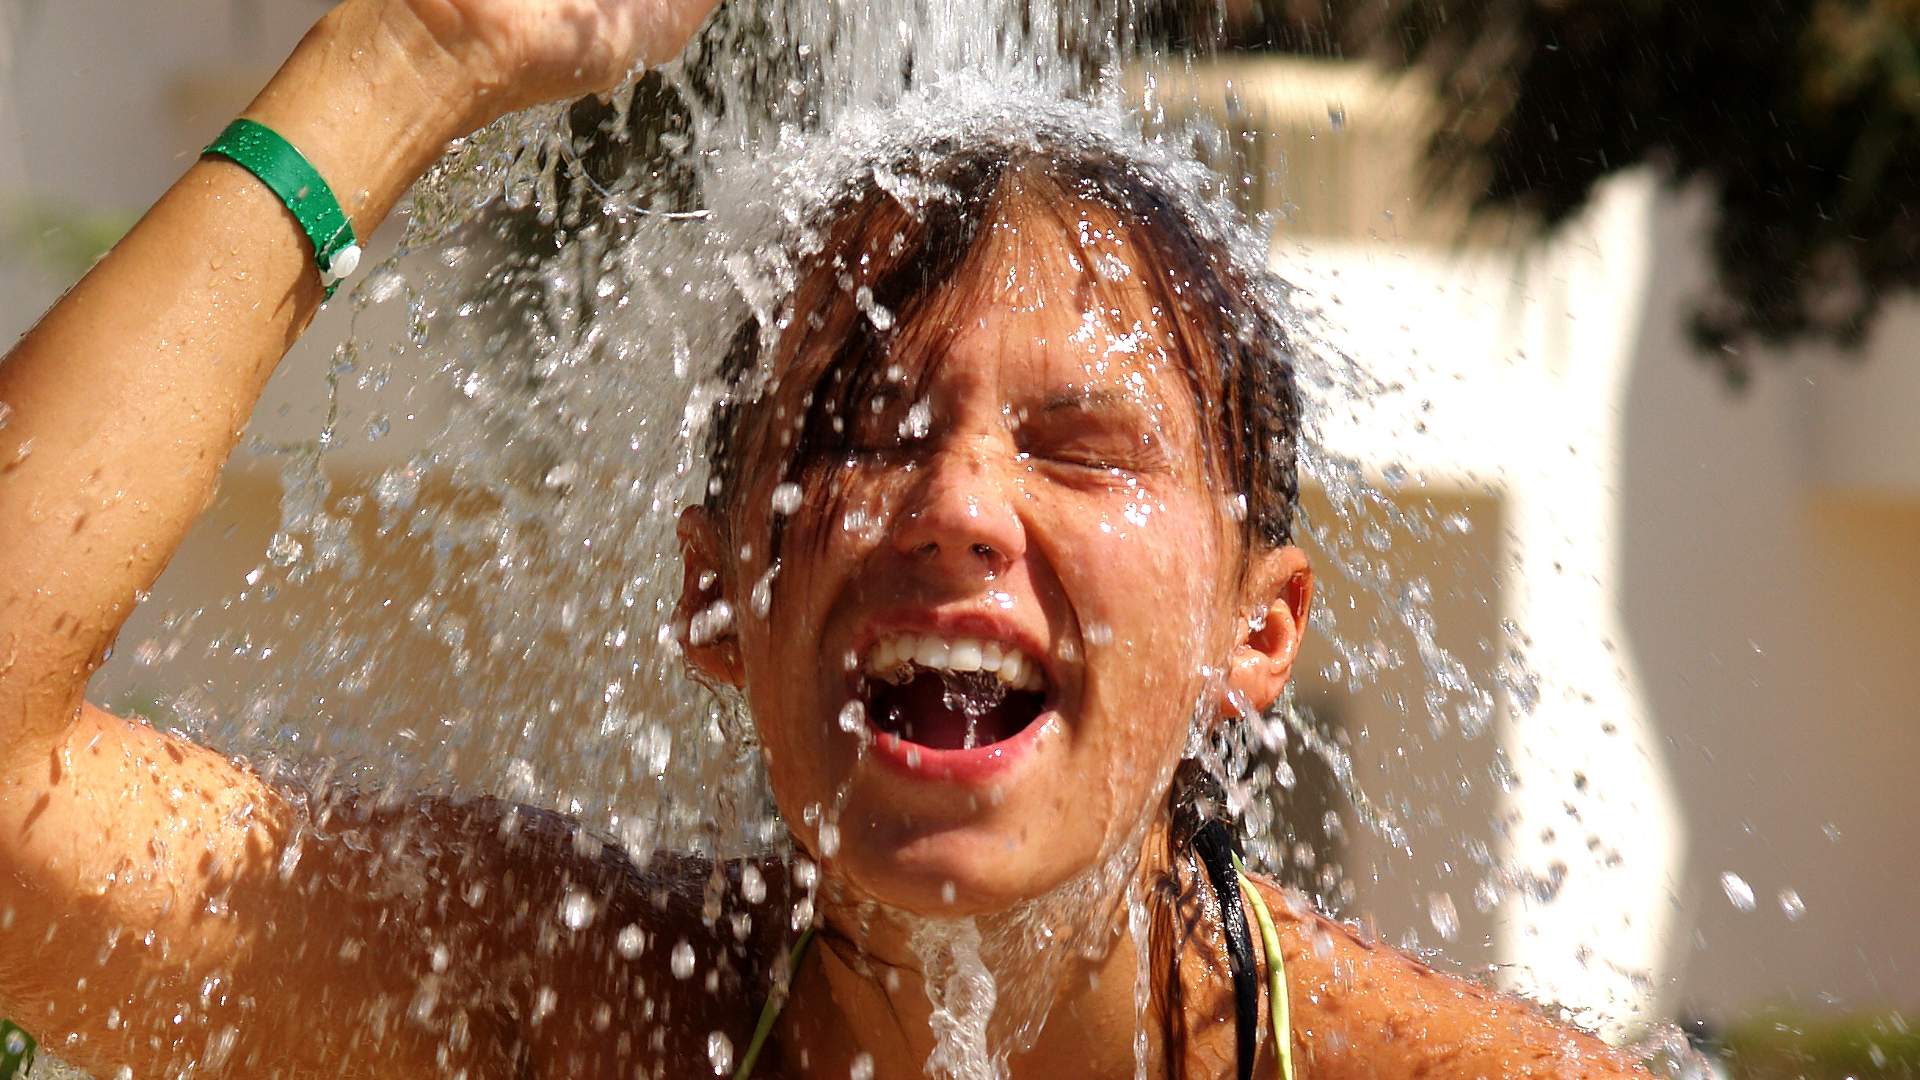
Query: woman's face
[1031,492]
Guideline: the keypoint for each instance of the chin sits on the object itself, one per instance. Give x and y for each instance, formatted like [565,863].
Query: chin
[952,871]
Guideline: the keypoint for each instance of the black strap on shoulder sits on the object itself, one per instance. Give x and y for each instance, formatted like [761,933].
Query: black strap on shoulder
[1215,844]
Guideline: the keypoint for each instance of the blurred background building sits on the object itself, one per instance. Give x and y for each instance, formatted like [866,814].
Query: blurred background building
[1710,542]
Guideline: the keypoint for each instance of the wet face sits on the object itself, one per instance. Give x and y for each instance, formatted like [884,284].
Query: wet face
[995,619]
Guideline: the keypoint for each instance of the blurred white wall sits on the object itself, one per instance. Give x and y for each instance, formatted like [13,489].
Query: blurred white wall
[1717,585]
[1513,375]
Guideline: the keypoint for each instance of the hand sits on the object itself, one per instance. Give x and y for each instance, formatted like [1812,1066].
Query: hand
[510,54]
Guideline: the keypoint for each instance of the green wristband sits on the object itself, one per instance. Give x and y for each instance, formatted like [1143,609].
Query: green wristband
[261,151]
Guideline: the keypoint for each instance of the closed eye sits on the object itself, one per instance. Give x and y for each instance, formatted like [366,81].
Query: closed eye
[1086,443]
[1092,461]
[1093,429]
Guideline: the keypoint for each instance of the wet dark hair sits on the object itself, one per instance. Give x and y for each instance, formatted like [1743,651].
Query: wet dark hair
[877,253]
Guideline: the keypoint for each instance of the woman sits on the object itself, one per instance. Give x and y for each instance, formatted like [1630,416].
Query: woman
[1032,392]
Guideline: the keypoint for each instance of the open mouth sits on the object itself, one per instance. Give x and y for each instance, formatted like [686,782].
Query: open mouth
[950,693]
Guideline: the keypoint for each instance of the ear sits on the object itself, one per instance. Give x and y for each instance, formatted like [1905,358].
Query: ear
[716,656]
[1279,597]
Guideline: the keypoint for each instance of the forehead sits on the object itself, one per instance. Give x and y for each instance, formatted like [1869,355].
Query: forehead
[1056,298]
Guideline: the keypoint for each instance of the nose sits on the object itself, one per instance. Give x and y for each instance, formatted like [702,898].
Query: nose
[960,517]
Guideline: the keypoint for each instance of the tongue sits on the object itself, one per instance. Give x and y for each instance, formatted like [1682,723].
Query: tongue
[943,713]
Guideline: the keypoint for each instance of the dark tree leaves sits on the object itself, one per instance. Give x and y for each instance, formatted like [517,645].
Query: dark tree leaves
[1801,116]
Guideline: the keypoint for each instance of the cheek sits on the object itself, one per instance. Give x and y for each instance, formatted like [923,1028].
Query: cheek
[1151,609]
[823,532]
[790,593]
[1148,567]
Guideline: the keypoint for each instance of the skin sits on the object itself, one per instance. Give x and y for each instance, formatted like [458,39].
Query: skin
[1051,458]
[168,880]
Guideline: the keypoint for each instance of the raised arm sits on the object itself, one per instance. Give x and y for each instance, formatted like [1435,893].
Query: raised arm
[139,874]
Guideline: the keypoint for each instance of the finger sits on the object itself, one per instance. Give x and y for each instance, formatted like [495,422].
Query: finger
[672,23]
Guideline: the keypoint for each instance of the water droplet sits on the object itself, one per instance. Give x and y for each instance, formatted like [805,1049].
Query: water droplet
[786,498]
[720,1052]
[853,717]
[396,489]
[682,960]
[654,745]
[1739,893]
[284,550]
[862,1067]
[1791,905]
[877,314]
[753,886]
[709,623]
[918,422]
[219,1048]
[761,597]
[1336,116]
[382,285]
[1441,912]
[630,941]
[424,1001]
[576,910]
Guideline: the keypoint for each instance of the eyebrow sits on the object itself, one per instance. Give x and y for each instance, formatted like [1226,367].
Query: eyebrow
[1087,399]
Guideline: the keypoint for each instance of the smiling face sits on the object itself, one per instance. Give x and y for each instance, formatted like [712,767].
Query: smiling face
[1009,584]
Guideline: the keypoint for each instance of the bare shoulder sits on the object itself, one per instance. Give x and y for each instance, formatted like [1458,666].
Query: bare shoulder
[1362,1008]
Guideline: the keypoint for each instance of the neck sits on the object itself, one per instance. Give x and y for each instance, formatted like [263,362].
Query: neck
[1050,988]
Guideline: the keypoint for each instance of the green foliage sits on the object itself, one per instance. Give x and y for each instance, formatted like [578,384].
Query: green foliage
[1777,1046]
[65,240]
[16,1051]
[1801,116]
[144,705]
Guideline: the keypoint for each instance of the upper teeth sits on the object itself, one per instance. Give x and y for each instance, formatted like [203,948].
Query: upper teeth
[894,652]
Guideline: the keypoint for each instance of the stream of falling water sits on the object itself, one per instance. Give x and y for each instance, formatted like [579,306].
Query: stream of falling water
[494,613]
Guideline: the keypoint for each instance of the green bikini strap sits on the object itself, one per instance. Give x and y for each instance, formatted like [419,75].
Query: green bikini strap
[771,1010]
[1277,1005]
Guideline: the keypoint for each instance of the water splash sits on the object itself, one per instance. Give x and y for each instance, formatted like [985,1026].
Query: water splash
[498,607]
[962,993]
